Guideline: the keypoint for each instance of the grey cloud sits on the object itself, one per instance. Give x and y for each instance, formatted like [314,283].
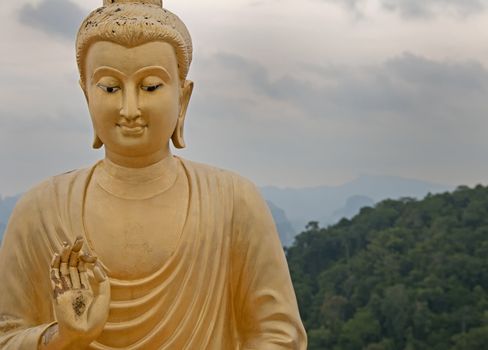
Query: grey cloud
[409,87]
[423,9]
[255,77]
[250,71]
[429,8]
[58,17]
[413,87]
[227,91]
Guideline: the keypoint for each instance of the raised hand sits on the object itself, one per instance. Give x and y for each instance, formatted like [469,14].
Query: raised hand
[80,313]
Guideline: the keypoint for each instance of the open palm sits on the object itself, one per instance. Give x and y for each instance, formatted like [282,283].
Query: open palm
[81,309]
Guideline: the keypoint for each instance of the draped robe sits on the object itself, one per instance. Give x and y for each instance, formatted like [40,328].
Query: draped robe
[225,287]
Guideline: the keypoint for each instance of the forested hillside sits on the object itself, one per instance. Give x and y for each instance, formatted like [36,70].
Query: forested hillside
[404,275]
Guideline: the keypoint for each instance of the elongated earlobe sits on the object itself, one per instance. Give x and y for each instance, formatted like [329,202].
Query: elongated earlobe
[97,143]
[178,136]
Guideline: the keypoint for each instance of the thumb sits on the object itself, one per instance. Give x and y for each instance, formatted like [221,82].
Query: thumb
[103,281]
[99,273]
[101,301]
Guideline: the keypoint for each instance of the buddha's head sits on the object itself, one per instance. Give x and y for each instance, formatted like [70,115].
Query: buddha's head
[133,58]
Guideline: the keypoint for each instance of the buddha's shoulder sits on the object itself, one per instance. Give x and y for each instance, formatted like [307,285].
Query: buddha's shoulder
[72,176]
[222,177]
[57,183]
[70,179]
[48,193]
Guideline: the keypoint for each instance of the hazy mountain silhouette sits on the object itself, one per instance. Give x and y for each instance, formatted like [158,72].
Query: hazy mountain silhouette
[352,208]
[283,225]
[324,204]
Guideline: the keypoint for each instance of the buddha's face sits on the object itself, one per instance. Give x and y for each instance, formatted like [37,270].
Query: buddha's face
[135,97]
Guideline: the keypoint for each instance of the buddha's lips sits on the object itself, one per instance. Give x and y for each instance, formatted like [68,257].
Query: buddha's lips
[132,129]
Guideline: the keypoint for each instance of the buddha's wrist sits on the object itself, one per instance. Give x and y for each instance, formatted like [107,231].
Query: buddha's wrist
[53,339]
[50,339]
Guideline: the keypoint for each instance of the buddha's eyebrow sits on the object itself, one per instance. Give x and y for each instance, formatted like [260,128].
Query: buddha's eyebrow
[104,70]
[156,70]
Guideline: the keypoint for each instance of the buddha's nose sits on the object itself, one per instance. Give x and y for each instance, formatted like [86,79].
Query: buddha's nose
[130,107]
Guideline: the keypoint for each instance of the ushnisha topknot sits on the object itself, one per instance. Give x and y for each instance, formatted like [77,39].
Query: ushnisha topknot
[132,23]
[154,2]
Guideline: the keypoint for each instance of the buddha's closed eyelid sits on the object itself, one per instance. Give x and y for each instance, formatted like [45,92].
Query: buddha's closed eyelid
[151,83]
[109,84]
[108,89]
[151,88]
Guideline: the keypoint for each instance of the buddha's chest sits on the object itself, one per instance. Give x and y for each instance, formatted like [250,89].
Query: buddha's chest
[134,238]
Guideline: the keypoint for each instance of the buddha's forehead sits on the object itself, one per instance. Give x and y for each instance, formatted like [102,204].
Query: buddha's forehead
[129,60]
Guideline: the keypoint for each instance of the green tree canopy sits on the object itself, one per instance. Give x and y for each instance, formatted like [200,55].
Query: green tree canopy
[406,274]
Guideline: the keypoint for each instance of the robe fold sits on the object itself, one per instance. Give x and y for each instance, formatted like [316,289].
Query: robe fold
[225,287]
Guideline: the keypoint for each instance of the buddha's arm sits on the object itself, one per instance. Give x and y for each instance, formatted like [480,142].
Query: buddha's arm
[265,302]
[25,306]
[30,291]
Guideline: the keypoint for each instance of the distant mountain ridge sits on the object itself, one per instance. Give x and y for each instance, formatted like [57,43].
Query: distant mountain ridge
[352,207]
[285,229]
[323,204]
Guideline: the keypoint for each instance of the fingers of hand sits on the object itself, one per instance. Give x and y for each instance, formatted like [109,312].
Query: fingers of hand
[88,259]
[74,277]
[68,269]
[55,277]
[99,273]
[56,260]
[78,274]
[63,267]
[65,252]
[73,263]
[58,282]
[84,279]
[75,252]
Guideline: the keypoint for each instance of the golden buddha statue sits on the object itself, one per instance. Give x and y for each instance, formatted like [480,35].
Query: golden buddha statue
[143,250]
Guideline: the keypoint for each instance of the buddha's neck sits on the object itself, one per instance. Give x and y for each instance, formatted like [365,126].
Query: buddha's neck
[136,183]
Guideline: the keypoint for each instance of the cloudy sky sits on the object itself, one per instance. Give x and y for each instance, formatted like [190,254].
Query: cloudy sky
[288,93]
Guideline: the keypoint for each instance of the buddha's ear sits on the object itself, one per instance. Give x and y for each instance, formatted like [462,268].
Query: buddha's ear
[185,95]
[82,85]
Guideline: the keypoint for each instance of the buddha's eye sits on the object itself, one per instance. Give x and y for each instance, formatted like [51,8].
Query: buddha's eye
[109,89]
[151,88]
